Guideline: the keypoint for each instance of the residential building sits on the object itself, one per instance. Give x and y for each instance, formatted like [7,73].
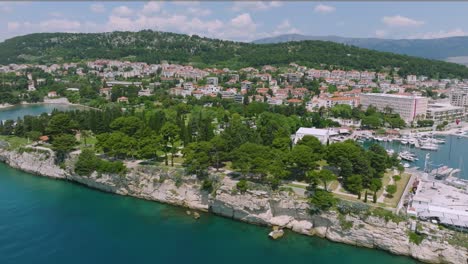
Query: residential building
[411,79]
[409,107]
[212,80]
[52,94]
[459,96]
[246,85]
[445,112]
[122,99]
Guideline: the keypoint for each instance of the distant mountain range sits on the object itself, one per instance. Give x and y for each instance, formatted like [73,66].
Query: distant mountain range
[453,49]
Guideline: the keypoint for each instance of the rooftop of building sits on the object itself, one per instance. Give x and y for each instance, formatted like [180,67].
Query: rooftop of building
[443,107]
[393,95]
[316,131]
[440,195]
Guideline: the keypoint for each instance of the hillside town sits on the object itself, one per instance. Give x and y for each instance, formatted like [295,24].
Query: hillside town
[412,97]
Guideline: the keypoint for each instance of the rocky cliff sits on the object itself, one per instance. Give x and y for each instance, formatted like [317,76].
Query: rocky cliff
[168,185]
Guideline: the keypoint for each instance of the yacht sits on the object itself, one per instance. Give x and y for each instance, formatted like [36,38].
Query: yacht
[408,156]
[429,146]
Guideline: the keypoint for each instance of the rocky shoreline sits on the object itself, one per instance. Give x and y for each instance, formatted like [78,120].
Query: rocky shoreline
[166,185]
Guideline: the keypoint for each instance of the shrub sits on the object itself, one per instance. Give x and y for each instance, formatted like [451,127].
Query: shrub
[322,199]
[345,207]
[391,190]
[387,215]
[88,162]
[207,185]
[242,186]
[396,178]
[415,238]
[345,225]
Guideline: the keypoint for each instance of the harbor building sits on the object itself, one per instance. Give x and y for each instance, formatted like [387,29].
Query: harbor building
[444,203]
[445,112]
[409,107]
[323,135]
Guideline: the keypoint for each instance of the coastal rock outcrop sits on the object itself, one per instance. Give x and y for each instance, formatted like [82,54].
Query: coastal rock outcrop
[167,185]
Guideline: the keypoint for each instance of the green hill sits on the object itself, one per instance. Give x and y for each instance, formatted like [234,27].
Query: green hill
[153,47]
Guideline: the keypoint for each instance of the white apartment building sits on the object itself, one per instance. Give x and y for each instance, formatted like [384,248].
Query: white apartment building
[459,96]
[411,78]
[410,108]
[445,112]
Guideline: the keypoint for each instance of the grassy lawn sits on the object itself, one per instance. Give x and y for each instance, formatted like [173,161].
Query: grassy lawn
[177,160]
[228,165]
[333,185]
[401,184]
[14,142]
[385,182]
[90,142]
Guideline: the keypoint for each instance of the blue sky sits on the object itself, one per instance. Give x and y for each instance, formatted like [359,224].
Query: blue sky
[243,21]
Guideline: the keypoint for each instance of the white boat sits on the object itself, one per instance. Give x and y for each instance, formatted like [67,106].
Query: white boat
[429,146]
[438,141]
[406,165]
[404,142]
[407,156]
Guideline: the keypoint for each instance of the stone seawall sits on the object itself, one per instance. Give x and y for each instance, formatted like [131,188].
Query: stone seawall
[165,185]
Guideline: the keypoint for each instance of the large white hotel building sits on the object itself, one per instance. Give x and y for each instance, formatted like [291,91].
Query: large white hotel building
[410,108]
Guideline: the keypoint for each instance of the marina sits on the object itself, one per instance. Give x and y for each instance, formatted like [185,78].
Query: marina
[439,187]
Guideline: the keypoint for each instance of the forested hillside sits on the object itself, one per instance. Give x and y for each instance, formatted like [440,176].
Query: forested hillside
[153,47]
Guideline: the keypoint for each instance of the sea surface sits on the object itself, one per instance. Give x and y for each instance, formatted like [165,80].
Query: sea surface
[51,221]
[34,109]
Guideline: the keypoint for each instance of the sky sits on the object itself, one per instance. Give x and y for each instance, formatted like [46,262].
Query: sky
[240,20]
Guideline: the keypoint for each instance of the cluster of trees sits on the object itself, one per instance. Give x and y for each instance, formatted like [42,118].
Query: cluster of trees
[88,162]
[178,48]
[252,139]
[371,117]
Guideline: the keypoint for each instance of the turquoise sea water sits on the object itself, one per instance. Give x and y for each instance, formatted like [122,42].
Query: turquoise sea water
[50,221]
[35,109]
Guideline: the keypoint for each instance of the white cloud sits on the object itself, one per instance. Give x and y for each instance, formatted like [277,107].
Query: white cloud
[12,26]
[97,8]
[284,27]
[380,33]
[198,12]
[55,14]
[242,20]
[59,25]
[51,25]
[152,7]
[5,8]
[255,5]
[401,21]
[123,11]
[324,9]
[440,34]
[186,3]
